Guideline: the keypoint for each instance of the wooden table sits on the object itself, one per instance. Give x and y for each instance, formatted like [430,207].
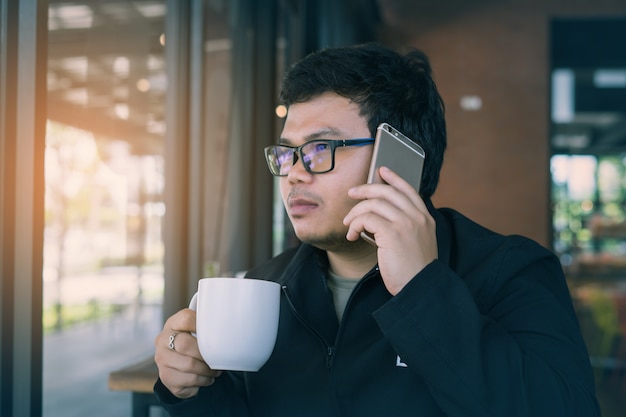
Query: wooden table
[138,379]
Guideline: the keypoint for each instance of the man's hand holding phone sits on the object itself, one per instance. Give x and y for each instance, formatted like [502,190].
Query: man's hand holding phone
[392,215]
[398,218]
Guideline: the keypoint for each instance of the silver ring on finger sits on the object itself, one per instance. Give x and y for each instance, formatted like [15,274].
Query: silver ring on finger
[171,341]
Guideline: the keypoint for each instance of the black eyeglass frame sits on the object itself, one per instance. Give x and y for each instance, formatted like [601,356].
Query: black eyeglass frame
[297,152]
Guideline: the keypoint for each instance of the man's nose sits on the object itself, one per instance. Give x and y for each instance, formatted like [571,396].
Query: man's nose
[298,172]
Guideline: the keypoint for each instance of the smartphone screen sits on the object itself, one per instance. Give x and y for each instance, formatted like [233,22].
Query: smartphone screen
[399,153]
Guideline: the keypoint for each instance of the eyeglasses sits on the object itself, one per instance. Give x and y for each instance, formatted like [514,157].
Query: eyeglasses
[317,156]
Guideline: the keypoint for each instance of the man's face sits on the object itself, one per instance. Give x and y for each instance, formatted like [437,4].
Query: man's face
[317,203]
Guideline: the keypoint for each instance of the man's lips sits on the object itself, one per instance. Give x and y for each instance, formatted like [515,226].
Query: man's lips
[299,206]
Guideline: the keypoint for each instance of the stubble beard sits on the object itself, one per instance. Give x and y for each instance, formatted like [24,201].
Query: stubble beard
[331,242]
[335,242]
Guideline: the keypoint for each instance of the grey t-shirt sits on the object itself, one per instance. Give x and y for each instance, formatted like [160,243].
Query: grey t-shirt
[341,288]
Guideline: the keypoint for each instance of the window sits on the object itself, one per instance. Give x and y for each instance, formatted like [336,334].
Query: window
[104,204]
[589,189]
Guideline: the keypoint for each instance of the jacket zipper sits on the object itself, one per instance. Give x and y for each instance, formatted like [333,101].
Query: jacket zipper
[330,350]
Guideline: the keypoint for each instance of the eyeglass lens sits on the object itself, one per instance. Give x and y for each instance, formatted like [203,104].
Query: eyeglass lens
[316,157]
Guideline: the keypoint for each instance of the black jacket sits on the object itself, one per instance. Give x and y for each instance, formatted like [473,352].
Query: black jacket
[488,329]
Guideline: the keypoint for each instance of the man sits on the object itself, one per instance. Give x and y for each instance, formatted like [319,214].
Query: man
[441,318]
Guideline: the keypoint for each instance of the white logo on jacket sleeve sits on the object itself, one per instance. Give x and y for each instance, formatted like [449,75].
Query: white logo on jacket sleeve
[400,363]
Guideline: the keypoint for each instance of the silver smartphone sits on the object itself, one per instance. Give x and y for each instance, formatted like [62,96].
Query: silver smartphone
[399,153]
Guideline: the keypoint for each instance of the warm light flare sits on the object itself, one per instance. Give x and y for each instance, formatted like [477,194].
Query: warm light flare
[281,111]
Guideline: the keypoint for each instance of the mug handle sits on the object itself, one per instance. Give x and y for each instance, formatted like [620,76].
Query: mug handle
[193,304]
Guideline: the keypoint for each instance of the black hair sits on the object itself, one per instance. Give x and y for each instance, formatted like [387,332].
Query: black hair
[387,86]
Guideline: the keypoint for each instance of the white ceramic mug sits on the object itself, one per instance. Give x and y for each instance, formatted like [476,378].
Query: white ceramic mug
[236,322]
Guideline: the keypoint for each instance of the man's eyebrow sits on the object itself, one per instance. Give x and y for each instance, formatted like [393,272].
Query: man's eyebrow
[326,133]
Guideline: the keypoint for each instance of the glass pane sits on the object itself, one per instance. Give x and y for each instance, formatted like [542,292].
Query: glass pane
[588,193]
[103,260]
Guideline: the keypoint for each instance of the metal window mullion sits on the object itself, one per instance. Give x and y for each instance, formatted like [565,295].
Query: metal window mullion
[22,142]
[176,192]
[196,178]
